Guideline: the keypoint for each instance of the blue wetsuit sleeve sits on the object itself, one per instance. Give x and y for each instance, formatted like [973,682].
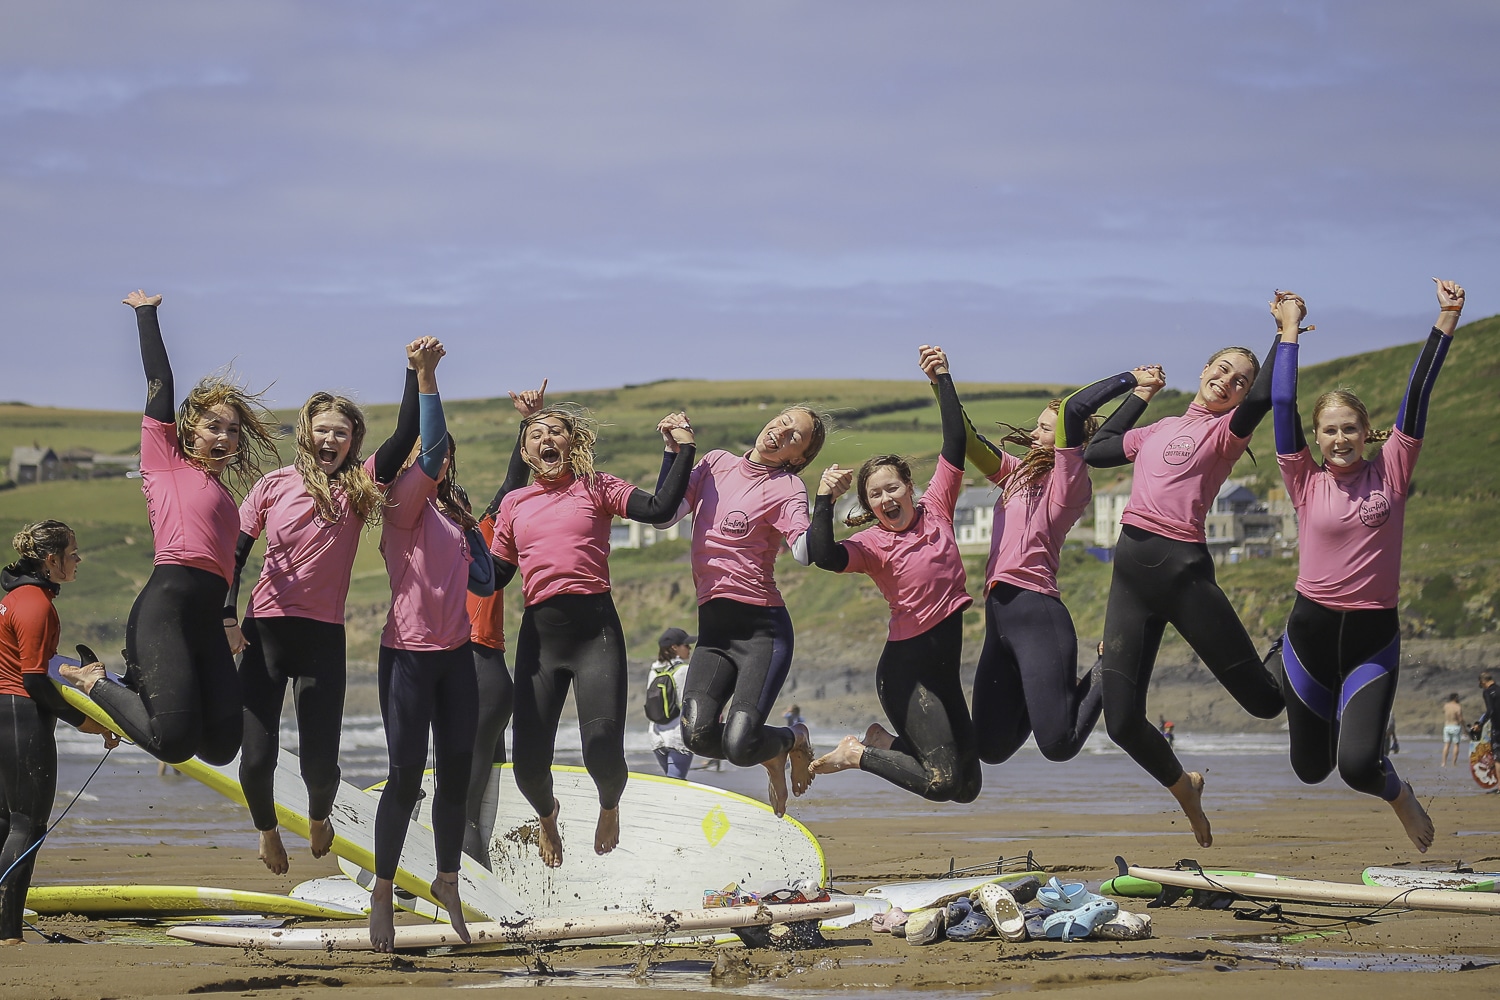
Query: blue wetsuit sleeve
[159,389]
[434,433]
[822,550]
[482,570]
[1412,420]
[1084,403]
[1284,417]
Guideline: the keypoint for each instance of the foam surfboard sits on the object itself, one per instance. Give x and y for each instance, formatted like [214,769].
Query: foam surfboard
[353,821]
[1138,888]
[924,894]
[177,901]
[334,890]
[1424,878]
[678,840]
[535,931]
[1317,891]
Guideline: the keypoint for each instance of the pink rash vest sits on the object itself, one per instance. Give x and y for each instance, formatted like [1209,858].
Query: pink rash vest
[919,570]
[557,534]
[1180,463]
[308,560]
[1350,524]
[427,559]
[194,520]
[1030,527]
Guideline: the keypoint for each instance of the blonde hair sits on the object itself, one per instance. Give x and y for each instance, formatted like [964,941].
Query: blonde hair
[1346,397]
[583,433]
[35,542]
[1037,462]
[1254,361]
[862,481]
[350,478]
[258,428]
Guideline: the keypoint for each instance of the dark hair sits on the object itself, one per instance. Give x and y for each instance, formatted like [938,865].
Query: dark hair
[448,501]
[814,440]
[1486,676]
[1453,696]
[664,653]
[861,485]
[35,542]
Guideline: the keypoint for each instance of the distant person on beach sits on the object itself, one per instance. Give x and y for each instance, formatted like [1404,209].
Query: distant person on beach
[311,514]
[1027,679]
[911,554]
[1482,730]
[30,706]
[743,508]
[434,557]
[180,695]
[1453,728]
[1163,573]
[1169,731]
[792,717]
[556,531]
[1342,649]
[673,650]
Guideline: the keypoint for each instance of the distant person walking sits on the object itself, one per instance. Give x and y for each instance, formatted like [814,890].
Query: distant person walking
[1482,729]
[1453,728]
[674,648]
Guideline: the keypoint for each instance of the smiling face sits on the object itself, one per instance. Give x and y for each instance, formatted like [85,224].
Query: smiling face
[548,446]
[1342,433]
[216,437]
[1044,435]
[1225,381]
[889,497]
[785,440]
[62,567]
[332,435]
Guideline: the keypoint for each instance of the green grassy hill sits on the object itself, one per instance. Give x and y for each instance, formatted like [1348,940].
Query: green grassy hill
[1452,563]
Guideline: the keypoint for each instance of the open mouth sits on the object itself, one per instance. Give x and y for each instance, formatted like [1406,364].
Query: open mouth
[892,511]
[549,455]
[218,453]
[327,455]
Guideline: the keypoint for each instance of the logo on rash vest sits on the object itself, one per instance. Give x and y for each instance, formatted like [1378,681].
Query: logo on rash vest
[736,524]
[1374,510]
[1178,450]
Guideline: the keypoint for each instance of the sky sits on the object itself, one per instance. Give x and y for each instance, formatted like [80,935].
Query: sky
[604,193]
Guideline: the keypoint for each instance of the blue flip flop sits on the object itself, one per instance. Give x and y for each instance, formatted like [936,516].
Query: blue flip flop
[1057,895]
[1070,925]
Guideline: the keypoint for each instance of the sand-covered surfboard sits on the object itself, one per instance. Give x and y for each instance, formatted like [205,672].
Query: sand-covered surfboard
[177,901]
[1420,878]
[1333,893]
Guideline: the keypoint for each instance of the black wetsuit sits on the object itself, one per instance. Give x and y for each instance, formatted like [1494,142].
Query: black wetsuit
[1160,581]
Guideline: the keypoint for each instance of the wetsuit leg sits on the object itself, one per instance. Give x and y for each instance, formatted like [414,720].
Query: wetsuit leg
[918,685]
[455,718]
[1001,721]
[28,784]
[1062,707]
[1132,636]
[407,694]
[743,656]
[600,694]
[1309,653]
[311,655]
[497,699]
[538,708]
[187,695]
[1366,697]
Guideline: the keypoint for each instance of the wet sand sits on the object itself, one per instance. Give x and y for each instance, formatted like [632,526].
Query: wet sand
[1077,828]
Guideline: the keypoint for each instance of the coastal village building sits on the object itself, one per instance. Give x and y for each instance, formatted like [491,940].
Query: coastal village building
[37,464]
[1239,524]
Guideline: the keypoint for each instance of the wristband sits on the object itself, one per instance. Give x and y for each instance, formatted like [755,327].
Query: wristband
[1452,309]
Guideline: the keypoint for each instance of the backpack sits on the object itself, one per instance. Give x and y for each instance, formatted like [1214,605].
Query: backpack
[662,705]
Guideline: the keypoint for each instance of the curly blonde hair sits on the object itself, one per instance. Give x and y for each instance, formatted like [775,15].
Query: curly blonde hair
[258,428]
[350,478]
[1037,462]
[583,432]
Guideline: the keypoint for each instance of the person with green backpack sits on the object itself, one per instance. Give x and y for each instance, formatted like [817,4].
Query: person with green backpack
[664,702]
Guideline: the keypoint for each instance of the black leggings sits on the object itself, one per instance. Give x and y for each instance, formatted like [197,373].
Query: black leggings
[568,638]
[1027,680]
[743,655]
[311,654]
[28,783]
[183,697]
[422,690]
[497,697]
[918,684]
[1160,581]
[1341,671]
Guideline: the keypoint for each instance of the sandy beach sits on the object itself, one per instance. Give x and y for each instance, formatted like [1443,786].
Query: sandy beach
[1076,818]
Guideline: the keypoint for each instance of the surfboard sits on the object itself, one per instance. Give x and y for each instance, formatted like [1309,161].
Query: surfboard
[926,893]
[1138,888]
[176,901]
[865,907]
[1482,766]
[353,821]
[539,930]
[1425,878]
[678,840]
[334,890]
[1317,891]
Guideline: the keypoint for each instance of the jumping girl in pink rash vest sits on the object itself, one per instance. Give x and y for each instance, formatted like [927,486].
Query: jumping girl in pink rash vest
[1343,639]
[434,557]
[556,531]
[743,507]
[1163,573]
[912,555]
[1027,678]
[180,696]
[311,513]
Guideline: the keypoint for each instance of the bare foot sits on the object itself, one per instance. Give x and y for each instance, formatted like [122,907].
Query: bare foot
[549,839]
[1188,791]
[607,832]
[801,758]
[879,737]
[383,916]
[1412,816]
[82,677]
[445,891]
[10,941]
[320,836]
[272,851]
[841,758]
[776,783]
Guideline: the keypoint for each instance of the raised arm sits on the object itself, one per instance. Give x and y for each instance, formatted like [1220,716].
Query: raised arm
[934,362]
[822,550]
[1285,420]
[982,453]
[432,426]
[391,454]
[159,389]
[529,401]
[1248,415]
[653,508]
[1106,449]
[1083,404]
[1412,419]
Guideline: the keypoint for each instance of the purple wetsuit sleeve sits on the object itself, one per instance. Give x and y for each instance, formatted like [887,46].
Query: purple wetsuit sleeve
[1284,417]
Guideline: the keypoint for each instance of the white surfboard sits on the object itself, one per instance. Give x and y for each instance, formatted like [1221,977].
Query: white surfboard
[178,901]
[926,893]
[333,890]
[678,840]
[353,822]
[1423,878]
[1317,891]
[536,931]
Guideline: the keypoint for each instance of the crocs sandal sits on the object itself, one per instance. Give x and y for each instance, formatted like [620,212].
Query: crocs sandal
[927,926]
[1125,926]
[1023,890]
[958,908]
[888,920]
[1001,907]
[972,927]
[1057,895]
[1070,925]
